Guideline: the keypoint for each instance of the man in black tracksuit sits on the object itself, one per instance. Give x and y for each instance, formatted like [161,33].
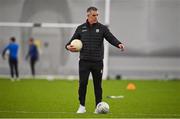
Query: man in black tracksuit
[92,34]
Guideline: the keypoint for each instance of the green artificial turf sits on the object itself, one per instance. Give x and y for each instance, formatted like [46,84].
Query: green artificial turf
[59,98]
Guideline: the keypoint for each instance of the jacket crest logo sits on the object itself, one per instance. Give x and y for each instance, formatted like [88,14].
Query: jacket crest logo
[97,30]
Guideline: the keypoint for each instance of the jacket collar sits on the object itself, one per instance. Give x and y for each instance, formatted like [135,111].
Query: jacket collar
[88,24]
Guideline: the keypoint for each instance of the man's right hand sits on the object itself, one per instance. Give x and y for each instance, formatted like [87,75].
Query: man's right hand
[71,48]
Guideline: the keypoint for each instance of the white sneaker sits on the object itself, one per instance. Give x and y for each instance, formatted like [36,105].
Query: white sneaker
[81,109]
[18,79]
[12,79]
[95,111]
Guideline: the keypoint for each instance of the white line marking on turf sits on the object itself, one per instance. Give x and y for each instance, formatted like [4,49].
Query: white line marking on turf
[129,114]
[29,112]
[149,114]
[32,112]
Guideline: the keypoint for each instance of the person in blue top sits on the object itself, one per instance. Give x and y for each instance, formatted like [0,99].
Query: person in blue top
[12,48]
[33,54]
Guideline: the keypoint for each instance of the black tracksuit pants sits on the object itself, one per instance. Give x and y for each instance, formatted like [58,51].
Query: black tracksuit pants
[13,64]
[96,69]
[32,65]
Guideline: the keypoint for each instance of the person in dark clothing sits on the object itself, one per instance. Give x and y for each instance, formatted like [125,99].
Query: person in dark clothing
[33,54]
[92,34]
[12,50]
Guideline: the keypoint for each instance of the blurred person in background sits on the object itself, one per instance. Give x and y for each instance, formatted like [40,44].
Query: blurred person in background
[92,34]
[12,51]
[33,55]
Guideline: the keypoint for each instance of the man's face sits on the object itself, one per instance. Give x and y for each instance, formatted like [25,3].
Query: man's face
[30,41]
[92,17]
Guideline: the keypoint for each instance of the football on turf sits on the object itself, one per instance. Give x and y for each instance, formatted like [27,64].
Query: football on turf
[77,44]
[102,108]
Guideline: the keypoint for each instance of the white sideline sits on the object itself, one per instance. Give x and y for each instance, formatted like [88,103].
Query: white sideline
[29,112]
[129,114]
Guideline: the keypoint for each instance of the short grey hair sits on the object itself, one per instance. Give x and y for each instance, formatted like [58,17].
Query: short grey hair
[91,9]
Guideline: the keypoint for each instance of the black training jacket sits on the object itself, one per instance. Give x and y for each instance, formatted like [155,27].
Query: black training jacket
[92,39]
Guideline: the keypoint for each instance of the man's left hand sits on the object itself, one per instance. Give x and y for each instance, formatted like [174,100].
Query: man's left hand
[121,46]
